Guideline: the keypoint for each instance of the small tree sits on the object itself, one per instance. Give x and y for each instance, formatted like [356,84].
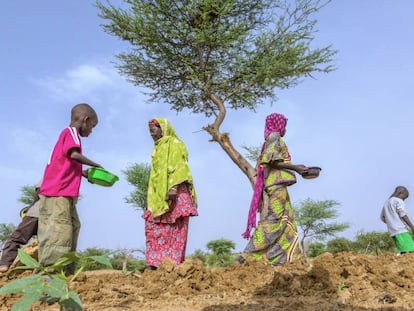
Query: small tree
[138,176]
[339,245]
[221,255]
[374,243]
[315,249]
[199,255]
[123,260]
[313,216]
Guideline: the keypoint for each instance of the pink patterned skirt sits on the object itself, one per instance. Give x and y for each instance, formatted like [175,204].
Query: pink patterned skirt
[166,235]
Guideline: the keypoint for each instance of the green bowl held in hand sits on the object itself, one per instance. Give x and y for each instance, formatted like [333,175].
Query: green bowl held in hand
[101,177]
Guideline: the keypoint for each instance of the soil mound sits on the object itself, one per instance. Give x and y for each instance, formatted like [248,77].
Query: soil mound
[344,281]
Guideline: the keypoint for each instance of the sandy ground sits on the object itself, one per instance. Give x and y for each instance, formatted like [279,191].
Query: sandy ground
[329,282]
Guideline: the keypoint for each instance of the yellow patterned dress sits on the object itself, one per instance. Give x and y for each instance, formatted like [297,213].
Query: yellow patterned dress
[275,237]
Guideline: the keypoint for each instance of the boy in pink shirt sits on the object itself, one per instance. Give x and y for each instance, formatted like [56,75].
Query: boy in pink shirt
[59,223]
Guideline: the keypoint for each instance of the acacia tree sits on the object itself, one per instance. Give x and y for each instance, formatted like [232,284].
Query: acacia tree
[314,217]
[209,56]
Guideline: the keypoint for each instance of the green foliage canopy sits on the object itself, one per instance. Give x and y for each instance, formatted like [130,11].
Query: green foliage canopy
[238,50]
[315,219]
[374,243]
[221,255]
[138,176]
[339,245]
[315,249]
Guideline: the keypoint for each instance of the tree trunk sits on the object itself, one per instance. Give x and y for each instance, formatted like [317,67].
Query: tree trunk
[125,264]
[224,141]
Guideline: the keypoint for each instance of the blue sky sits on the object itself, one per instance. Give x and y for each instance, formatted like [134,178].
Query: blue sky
[356,123]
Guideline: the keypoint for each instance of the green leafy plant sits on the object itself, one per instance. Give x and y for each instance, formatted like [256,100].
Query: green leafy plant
[50,284]
[342,286]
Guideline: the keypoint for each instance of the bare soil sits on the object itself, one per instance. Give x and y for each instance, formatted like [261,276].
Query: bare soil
[344,281]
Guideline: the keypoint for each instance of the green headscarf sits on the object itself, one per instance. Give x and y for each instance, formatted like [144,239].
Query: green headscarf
[169,167]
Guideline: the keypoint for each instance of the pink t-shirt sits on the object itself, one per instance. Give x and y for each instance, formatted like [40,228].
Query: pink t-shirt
[63,175]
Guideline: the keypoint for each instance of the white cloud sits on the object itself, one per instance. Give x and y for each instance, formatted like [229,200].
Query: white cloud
[80,81]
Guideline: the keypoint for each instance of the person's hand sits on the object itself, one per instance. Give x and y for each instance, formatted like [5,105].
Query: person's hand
[171,195]
[301,169]
[85,173]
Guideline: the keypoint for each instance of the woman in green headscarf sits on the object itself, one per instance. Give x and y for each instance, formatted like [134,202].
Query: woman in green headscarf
[171,197]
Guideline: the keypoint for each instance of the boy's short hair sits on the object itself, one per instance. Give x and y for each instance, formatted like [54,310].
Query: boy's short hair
[401,190]
[81,110]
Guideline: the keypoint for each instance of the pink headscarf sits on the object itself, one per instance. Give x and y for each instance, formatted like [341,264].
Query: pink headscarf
[275,123]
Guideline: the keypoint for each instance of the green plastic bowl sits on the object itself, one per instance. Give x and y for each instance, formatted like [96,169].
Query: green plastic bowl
[101,177]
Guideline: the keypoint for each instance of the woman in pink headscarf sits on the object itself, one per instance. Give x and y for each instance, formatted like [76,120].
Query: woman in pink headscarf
[275,237]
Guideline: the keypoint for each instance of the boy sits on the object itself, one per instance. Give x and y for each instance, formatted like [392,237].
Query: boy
[59,223]
[395,216]
[22,234]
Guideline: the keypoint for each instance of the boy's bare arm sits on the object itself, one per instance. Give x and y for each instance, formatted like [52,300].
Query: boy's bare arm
[74,154]
[382,217]
[408,222]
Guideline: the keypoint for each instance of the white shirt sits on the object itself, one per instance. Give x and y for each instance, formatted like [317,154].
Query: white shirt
[391,214]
